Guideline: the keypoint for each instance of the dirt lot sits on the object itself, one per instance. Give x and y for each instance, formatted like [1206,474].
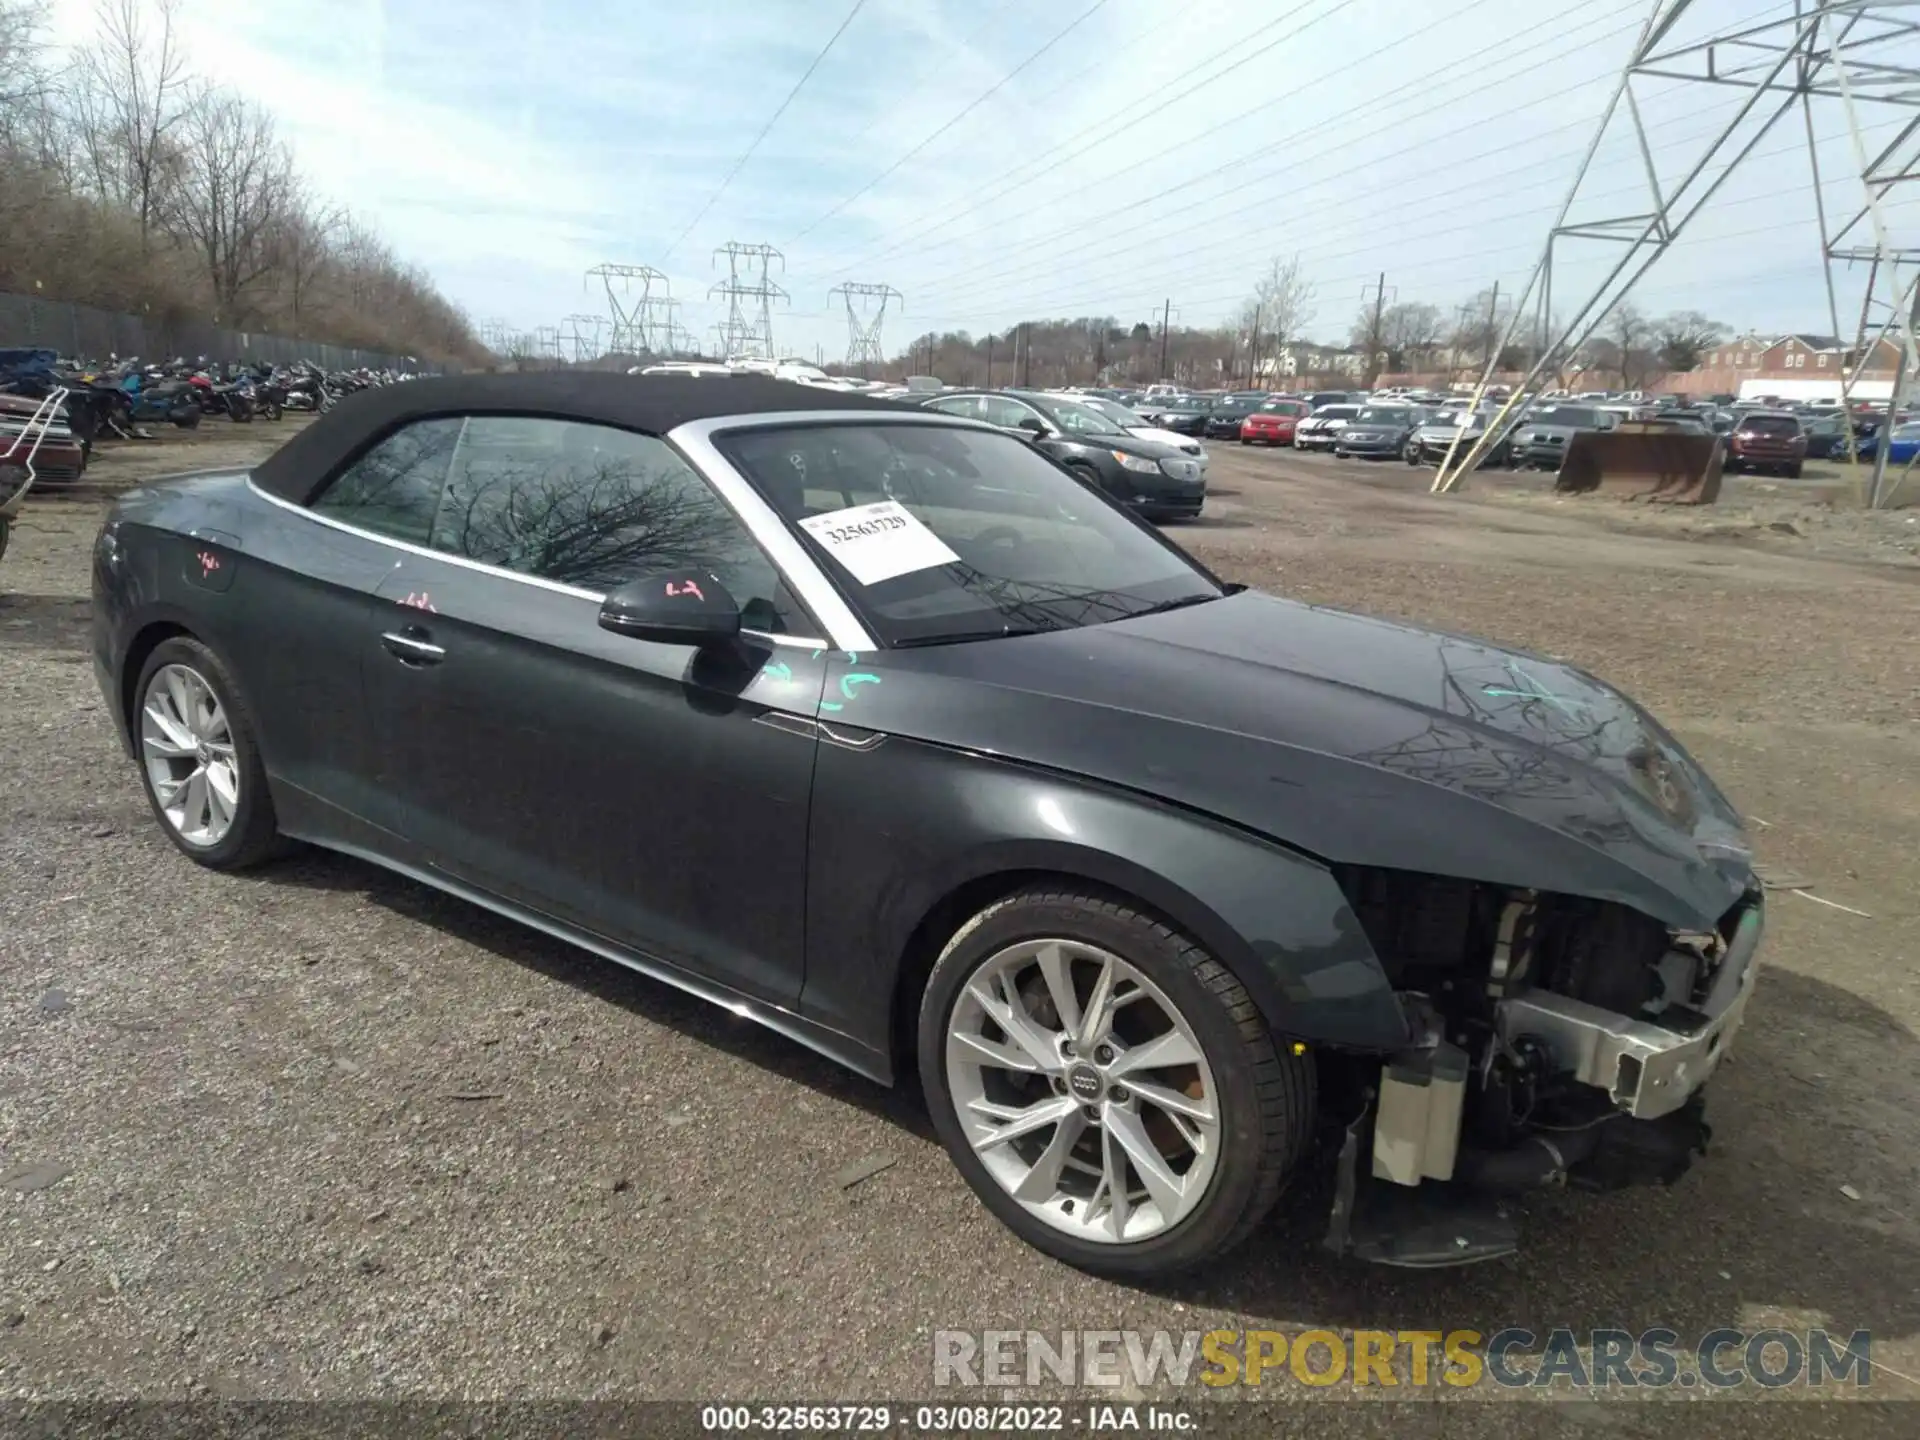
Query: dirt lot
[321,1132]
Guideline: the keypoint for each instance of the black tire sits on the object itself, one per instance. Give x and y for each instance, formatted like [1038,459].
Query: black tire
[271,410]
[1265,1092]
[6,534]
[1792,472]
[186,417]
[253,836]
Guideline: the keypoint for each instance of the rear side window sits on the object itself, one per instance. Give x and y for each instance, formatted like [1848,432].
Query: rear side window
[394,488]
[1782,425]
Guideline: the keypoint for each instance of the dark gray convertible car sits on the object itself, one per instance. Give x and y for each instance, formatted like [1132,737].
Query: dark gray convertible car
[878,727]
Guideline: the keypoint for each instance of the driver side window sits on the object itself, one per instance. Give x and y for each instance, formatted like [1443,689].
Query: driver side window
[1008,414]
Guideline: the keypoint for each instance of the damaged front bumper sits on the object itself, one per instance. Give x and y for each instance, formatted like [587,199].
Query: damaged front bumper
[1415,1188]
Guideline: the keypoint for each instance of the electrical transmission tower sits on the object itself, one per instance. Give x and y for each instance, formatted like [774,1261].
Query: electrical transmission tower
[582,334]
[632,314]
[866,309]
[1828,58]
[750,293]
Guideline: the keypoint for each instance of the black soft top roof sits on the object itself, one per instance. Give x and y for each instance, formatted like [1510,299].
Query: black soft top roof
[651,404]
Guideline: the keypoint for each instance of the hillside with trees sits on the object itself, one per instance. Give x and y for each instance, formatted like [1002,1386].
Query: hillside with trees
[133,184]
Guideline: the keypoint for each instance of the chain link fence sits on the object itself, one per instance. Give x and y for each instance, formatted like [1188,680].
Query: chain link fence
[84,333]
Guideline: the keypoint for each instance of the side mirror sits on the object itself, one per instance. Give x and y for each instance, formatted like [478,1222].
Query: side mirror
[682,607]
[1034,426]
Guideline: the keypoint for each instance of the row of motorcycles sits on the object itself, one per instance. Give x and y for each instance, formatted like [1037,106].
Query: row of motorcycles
[53,410]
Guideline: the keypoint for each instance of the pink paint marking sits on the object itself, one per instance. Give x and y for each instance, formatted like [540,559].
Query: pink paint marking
[685,587]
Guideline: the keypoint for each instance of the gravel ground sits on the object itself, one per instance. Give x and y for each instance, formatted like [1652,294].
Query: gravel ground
[320,1132]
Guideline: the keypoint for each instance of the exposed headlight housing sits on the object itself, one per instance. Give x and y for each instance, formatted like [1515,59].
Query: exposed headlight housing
[1137,462]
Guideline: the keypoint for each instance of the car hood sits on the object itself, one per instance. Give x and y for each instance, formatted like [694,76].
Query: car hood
[1331,422]
[1353,739]
[1183,443]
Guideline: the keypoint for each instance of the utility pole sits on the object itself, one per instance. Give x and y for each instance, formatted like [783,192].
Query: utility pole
[1373,330]
[1253,352]
[1023,358]
[749,322]
[989,362]
[1165,315]
[866,310]
[1493,312]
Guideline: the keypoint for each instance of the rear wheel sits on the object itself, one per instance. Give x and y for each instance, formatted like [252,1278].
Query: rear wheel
[1107,1088]
[1792,472]
[199,760]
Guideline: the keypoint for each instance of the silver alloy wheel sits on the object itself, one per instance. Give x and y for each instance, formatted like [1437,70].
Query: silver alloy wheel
[1083,1090]
[187,747]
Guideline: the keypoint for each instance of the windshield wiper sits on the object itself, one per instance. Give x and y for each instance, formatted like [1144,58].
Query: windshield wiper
[961,637]
[1180,604]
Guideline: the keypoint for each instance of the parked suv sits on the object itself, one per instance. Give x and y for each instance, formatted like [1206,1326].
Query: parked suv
[1157,481]
[1767,440]
[1542,440]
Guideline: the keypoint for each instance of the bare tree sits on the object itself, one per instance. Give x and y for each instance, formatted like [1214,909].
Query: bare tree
[301,250]
[1478,327]
[1281,305]
[1629,331]
[1684,338]
[131,93]
[236,181]
[1409,332]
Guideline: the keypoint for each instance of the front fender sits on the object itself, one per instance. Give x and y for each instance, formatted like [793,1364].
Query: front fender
[900,825]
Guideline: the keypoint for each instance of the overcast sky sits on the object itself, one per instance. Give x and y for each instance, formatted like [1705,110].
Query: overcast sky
[1152,151]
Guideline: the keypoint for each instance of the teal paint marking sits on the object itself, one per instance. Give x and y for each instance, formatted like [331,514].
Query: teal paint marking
[1534,691]
[817,654]
[848,684]
[778,671]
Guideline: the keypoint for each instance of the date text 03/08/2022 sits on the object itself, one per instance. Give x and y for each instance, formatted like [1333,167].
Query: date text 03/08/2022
[962,1419]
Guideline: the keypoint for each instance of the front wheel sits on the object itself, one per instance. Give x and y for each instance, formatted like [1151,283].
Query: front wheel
[199,759]
[1107,1087]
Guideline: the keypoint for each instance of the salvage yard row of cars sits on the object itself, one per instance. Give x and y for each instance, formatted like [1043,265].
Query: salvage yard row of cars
[899,730]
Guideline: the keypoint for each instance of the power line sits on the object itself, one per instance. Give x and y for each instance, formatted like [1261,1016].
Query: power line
[973,105]
[1475,83]
[772,120]
[1085,254]
[1136,116]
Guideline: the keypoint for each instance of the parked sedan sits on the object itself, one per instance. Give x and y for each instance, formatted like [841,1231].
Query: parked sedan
[1157,481]
[1272,422]
[873,727]
[1458,431]
[1182,414]
[1322,428]
[1378,432]
[1133,423]
[1224,419]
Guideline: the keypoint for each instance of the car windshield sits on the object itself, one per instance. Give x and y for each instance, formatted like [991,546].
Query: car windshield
[1383,415]
[1783,425]
[1336,412]
[1078,419]
[1116,412]
[985,537]
[1577,416]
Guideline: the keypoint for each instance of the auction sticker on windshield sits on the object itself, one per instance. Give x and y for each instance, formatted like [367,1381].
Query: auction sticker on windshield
[879,541]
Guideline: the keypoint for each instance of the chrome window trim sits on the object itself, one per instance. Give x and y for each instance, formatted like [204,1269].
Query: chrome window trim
[500,572]
[694,439]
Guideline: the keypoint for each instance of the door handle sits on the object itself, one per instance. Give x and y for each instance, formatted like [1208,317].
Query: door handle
[411,648]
